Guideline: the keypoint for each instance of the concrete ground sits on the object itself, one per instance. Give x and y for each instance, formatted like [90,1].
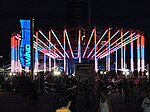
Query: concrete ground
[14,102]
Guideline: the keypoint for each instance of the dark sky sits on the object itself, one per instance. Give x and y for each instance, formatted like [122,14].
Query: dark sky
[48,13]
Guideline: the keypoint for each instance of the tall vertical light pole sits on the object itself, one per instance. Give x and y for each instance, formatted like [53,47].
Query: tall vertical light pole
[32,50]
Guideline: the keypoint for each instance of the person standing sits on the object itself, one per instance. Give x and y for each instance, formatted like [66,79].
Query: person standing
[104,104]
[146,103]
[64,106]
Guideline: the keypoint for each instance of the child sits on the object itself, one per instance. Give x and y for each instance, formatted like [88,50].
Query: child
[64,106]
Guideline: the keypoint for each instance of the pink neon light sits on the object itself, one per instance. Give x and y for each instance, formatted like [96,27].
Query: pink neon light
[69,44]
[79,46]
[105,43]
[98,43]
[117,46]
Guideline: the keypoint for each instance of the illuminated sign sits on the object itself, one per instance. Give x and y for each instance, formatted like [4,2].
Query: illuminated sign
[25,46]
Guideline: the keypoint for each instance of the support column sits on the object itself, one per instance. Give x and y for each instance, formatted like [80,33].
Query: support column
[79,46]
[19,64]
[138,53]
[142,53]
[64,49]
[50,60]
[36,55]
[13,54]
[108,50]
[95,49]
[116,61]
[122,51]
[124,60]
[44,63]
[131,54]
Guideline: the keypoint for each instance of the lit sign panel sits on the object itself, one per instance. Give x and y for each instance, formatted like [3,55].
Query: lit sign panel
[25,46]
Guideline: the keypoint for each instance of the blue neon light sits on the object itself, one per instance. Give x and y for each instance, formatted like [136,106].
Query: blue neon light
[25,46]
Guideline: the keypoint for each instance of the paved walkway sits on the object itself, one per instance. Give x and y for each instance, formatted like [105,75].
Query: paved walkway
[119,105]
[18,103]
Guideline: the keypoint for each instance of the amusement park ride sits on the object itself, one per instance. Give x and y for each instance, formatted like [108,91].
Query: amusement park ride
[104,47]
[67,46]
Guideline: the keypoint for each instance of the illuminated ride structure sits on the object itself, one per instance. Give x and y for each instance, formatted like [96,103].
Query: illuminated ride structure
[105,47]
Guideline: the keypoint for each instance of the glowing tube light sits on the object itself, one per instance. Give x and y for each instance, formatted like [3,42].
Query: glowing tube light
[118,46]
[113,43]
[12,54]
[138,54]
[97,43]
[42,49]
[106,42]
[44,63]
[19,64]
[88,45]
[59,42]
[64,51]
[108,56]
[16,55]
[96,61]
[116,62]
[46,48]
[142,53]
[121,50]
[51,45]
[79,46]
[48,41]
[69,44]
[124,57]
[131,54]
[36,54]
[50,61]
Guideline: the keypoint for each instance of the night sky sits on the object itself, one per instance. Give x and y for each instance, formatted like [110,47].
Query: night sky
[51,13]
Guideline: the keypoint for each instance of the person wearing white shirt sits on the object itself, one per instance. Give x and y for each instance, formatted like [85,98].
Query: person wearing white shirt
[146,103]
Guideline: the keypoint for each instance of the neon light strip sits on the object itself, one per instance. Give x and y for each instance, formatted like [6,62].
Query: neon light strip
[142,53]
[131,55]
[48,48]
[88,44]
[36,54]
[44,63]
[69,44]
[12,54]
[109,47]
[96,61]
[59,42]
[98,42]
[51,44]
[116,61]
[118,46]
[42,49]
[124,60]
[79,46]
[121,50]
[138,54]
[114,43]
[64,51]
[50,62]
[106,43]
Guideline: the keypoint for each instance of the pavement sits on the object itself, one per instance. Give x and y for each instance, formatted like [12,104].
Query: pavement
[16,102]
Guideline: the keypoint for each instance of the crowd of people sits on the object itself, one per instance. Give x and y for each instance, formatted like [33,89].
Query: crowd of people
[66,88]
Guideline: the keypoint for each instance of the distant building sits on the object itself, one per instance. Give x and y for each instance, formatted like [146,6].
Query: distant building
[77,13]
